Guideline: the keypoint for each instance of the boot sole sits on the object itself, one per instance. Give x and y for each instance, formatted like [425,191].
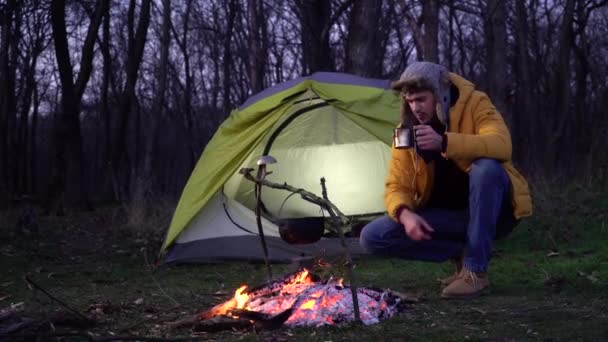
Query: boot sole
[481,292]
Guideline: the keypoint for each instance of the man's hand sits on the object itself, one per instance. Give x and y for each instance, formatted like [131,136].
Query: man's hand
[427,138]
[415,226]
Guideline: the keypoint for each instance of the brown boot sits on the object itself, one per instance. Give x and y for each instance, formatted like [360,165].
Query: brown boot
[457,262]
[468,284]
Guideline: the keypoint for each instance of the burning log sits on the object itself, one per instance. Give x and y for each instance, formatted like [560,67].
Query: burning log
[301,299]
[220,323]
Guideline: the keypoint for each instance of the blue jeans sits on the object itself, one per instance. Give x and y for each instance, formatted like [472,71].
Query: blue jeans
[489,216]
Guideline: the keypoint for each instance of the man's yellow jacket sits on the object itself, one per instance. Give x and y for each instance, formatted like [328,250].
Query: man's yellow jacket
[476,130]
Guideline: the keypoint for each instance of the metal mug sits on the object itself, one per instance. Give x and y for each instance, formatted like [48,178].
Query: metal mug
[404,138]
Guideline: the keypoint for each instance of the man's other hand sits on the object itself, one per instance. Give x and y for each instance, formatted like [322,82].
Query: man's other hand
[427,139]
[415,226]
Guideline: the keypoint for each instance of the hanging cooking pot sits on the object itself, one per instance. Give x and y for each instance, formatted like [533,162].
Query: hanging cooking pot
[301,230]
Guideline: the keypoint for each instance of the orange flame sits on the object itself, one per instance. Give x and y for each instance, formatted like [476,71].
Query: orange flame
[302,278]
[240,297]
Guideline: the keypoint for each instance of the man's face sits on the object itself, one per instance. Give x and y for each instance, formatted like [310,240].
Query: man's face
[422,105]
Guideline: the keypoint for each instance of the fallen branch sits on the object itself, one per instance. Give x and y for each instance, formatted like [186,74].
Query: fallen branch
[262,320]
[220,323]
[33,285]
[92,338]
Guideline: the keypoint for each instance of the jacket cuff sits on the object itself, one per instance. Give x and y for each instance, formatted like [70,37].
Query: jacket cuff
[397,212]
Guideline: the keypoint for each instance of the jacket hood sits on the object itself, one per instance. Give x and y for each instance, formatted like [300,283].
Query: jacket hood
[465,90]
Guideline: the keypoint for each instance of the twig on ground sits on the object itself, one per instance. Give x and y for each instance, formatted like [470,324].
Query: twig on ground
[92,338]
[32,284]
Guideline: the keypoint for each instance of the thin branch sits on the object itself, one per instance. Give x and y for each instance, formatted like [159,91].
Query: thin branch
[306,195]
[349,259]
[92,338]
[32,284]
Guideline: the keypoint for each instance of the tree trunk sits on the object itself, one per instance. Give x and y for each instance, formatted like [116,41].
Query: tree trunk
[364,44]
[105,112]
[7,100]
[581,123]
[135,48]
[430,13]
[524,116]
[187,98]
[495,29]
[258,44]
[315,22]
[561,89]
[23,141]
[67,183]
[33,152]
[449,50]
[425,31]
[146,175]
[227,59]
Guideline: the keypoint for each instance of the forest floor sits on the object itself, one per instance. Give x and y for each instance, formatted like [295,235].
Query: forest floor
[549,282]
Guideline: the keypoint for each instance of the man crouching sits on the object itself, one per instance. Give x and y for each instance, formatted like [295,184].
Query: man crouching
[453,190]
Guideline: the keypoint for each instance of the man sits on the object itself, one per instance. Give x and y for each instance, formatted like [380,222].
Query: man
[456,190]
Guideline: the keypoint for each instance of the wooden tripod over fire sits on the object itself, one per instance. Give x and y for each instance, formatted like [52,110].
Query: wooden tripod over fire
[338,220]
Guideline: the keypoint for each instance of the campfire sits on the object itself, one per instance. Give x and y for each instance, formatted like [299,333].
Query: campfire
[302,299]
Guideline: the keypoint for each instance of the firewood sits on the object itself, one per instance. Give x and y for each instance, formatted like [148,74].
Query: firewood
[219,323]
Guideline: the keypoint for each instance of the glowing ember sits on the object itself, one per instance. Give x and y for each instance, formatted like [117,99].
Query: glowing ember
[308,302]
[308,305]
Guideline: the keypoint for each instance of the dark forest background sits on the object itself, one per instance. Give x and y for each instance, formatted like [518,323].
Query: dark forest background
[105,102]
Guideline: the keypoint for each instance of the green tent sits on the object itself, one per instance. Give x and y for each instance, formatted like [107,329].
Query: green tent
[331,125]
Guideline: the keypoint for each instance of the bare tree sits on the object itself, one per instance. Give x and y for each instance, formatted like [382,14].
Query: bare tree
[67,184]
[430,15]
[8,48]
[524,116]
[561,84]
[185,100]
[145,175]
[363,47]
[34,42]
[136,42]
[315,21]
[231,10]
[495,29]
[425,30]
[258,44]
[105,112]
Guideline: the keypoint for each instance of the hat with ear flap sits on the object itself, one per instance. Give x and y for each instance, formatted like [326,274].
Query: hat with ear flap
[434,75]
